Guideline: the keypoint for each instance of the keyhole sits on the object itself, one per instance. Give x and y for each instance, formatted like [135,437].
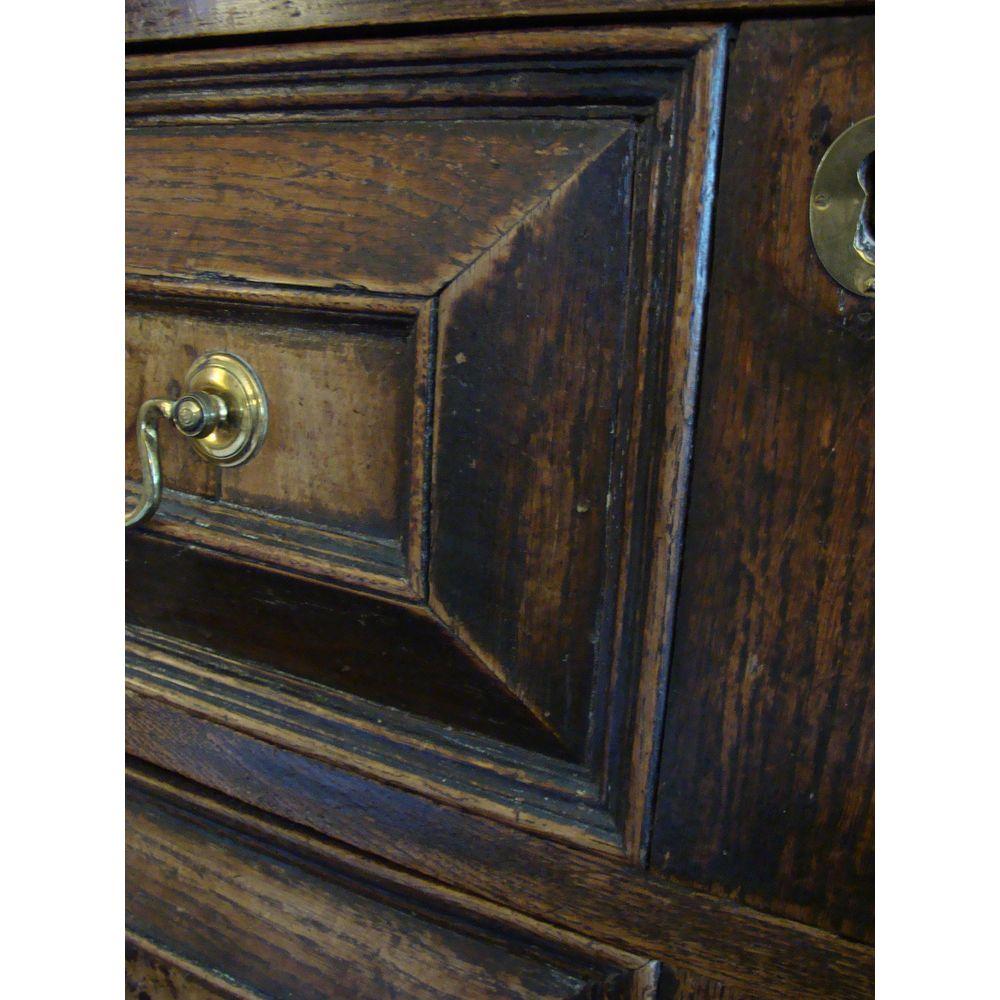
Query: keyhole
[864,238]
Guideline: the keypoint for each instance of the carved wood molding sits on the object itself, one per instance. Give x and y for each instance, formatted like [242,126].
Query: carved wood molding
[635,911]
[643,104]
[301,915]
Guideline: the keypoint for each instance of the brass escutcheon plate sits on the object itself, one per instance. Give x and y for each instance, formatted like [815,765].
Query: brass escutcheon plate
[835,208]
[239,437]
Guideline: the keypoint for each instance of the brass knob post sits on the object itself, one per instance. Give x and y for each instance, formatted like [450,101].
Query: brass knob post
[223,412]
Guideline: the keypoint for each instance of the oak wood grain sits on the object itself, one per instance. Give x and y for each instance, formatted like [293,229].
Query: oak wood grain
[396,208]
[452,764]
[408,71]
[360,456]
[668,300]
[152,972]
[765,792]
[615,399]
[767,783]
[290,927]
[683,985]
[425,895]
[627,907]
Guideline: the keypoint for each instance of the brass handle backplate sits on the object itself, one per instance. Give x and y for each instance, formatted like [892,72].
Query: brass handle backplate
[222,410]
[842,209]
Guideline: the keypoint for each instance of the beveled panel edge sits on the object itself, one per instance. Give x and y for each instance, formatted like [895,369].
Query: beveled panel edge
[403,308]
[692,54]
[446,580]
[464,770]
[615,72]
[280,543]
[603,899]
[670,237]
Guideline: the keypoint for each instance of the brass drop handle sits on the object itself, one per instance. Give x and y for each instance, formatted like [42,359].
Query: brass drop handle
[223,411]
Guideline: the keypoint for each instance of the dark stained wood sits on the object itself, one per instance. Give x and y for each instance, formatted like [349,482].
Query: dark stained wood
[625,906]
[683,985]
[383,652]
[668,300]
[396,207]
[766,791]
[448,763]
[530,348]
[294,926]
[147,20]
[363,73]
[568,612]
[419,658]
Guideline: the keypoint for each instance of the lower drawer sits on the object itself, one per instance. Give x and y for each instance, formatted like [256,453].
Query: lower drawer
[223,901]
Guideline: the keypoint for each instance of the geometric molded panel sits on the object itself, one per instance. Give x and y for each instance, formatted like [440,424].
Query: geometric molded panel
[475,298]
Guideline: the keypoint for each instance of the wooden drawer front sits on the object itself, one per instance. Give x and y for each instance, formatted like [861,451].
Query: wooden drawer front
[215,910]
[350,236]
[338,480]
[469,271]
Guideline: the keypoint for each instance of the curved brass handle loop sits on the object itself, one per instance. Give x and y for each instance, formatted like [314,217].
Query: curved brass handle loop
[223,412]
[148,435]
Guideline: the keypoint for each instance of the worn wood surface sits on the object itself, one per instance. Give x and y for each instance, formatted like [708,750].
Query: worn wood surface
[397,207]
[294,926]
[361,73]
[668,282]
[683,985]
[451,763]
[338,490]
[766,791]
[626,906]
[520,176]
[147,20]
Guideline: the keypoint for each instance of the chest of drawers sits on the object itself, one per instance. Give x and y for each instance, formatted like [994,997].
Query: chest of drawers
[530,655]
